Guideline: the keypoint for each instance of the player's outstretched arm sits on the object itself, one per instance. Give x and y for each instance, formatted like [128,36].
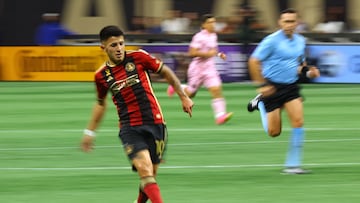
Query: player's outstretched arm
[263,87]
[255,71]
[171,78]
[196,52]
[88,139]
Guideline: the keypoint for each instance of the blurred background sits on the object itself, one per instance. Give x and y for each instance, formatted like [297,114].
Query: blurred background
[57,40]
[20,19]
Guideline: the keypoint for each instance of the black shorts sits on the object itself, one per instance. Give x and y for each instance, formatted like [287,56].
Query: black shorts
[151,137]
[284,93]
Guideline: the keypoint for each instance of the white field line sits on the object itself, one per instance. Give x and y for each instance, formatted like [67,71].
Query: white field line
[170,130]
[173,167]
[177,144]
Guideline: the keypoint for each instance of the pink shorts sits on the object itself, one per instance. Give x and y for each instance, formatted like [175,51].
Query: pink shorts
[200,75]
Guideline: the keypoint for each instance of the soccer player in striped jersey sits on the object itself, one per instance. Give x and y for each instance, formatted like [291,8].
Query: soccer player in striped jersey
[142,125]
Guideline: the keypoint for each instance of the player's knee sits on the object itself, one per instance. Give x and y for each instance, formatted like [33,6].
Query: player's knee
[143,167]
[218,94]
[147,180]
[297,123]
[274,132]
[144,170]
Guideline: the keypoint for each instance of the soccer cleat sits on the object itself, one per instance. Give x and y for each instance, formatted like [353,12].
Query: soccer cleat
[295,171]
[224,118]
[253,104]
[170,91]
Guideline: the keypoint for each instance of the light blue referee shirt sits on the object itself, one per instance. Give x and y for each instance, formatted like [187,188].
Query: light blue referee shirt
[280,56]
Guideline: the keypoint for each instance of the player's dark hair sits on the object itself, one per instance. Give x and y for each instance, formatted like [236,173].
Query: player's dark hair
[205,17]
[288,10]
[110,31]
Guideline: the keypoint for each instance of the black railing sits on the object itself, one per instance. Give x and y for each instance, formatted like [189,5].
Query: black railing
[236,38]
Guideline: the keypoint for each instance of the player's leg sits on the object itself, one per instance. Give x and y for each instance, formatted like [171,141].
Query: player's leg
[294,109]
[137,149]
[266,101]
[171,91]
[142,197]
[194,78]
[148,184]
[218,105]
[257,104]
[274,122]
[270,112]
[213,83]
[156,140]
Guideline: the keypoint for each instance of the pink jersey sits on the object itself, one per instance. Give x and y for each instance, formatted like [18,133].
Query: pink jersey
[203,71]
[204,41]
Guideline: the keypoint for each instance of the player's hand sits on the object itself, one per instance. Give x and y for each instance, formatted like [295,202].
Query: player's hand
[222,55]
[187,104]
[313,72]
[87,143]
[266,90]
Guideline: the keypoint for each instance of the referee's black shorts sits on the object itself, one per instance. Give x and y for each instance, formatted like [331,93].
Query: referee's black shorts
[151,137]
[284,93]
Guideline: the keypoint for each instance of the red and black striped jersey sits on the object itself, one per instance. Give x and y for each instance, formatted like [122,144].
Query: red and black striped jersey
[130,85]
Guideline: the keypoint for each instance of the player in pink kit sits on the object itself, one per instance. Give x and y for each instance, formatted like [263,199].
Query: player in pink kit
[203,48]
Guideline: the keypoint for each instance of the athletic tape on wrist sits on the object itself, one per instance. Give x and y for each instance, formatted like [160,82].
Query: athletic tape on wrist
[89,132]
[305,71]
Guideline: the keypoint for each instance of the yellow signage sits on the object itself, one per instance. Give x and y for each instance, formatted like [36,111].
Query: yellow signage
[51,63]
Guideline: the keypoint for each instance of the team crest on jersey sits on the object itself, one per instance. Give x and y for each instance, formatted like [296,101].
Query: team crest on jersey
[108,75]
[130,67]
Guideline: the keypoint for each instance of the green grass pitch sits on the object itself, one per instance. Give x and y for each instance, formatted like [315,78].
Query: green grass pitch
[41,126]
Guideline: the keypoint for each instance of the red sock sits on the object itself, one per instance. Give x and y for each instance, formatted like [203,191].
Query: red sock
[142,198]
[152,190]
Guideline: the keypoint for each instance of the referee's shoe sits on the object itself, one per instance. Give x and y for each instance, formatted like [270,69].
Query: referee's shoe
[253,104]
